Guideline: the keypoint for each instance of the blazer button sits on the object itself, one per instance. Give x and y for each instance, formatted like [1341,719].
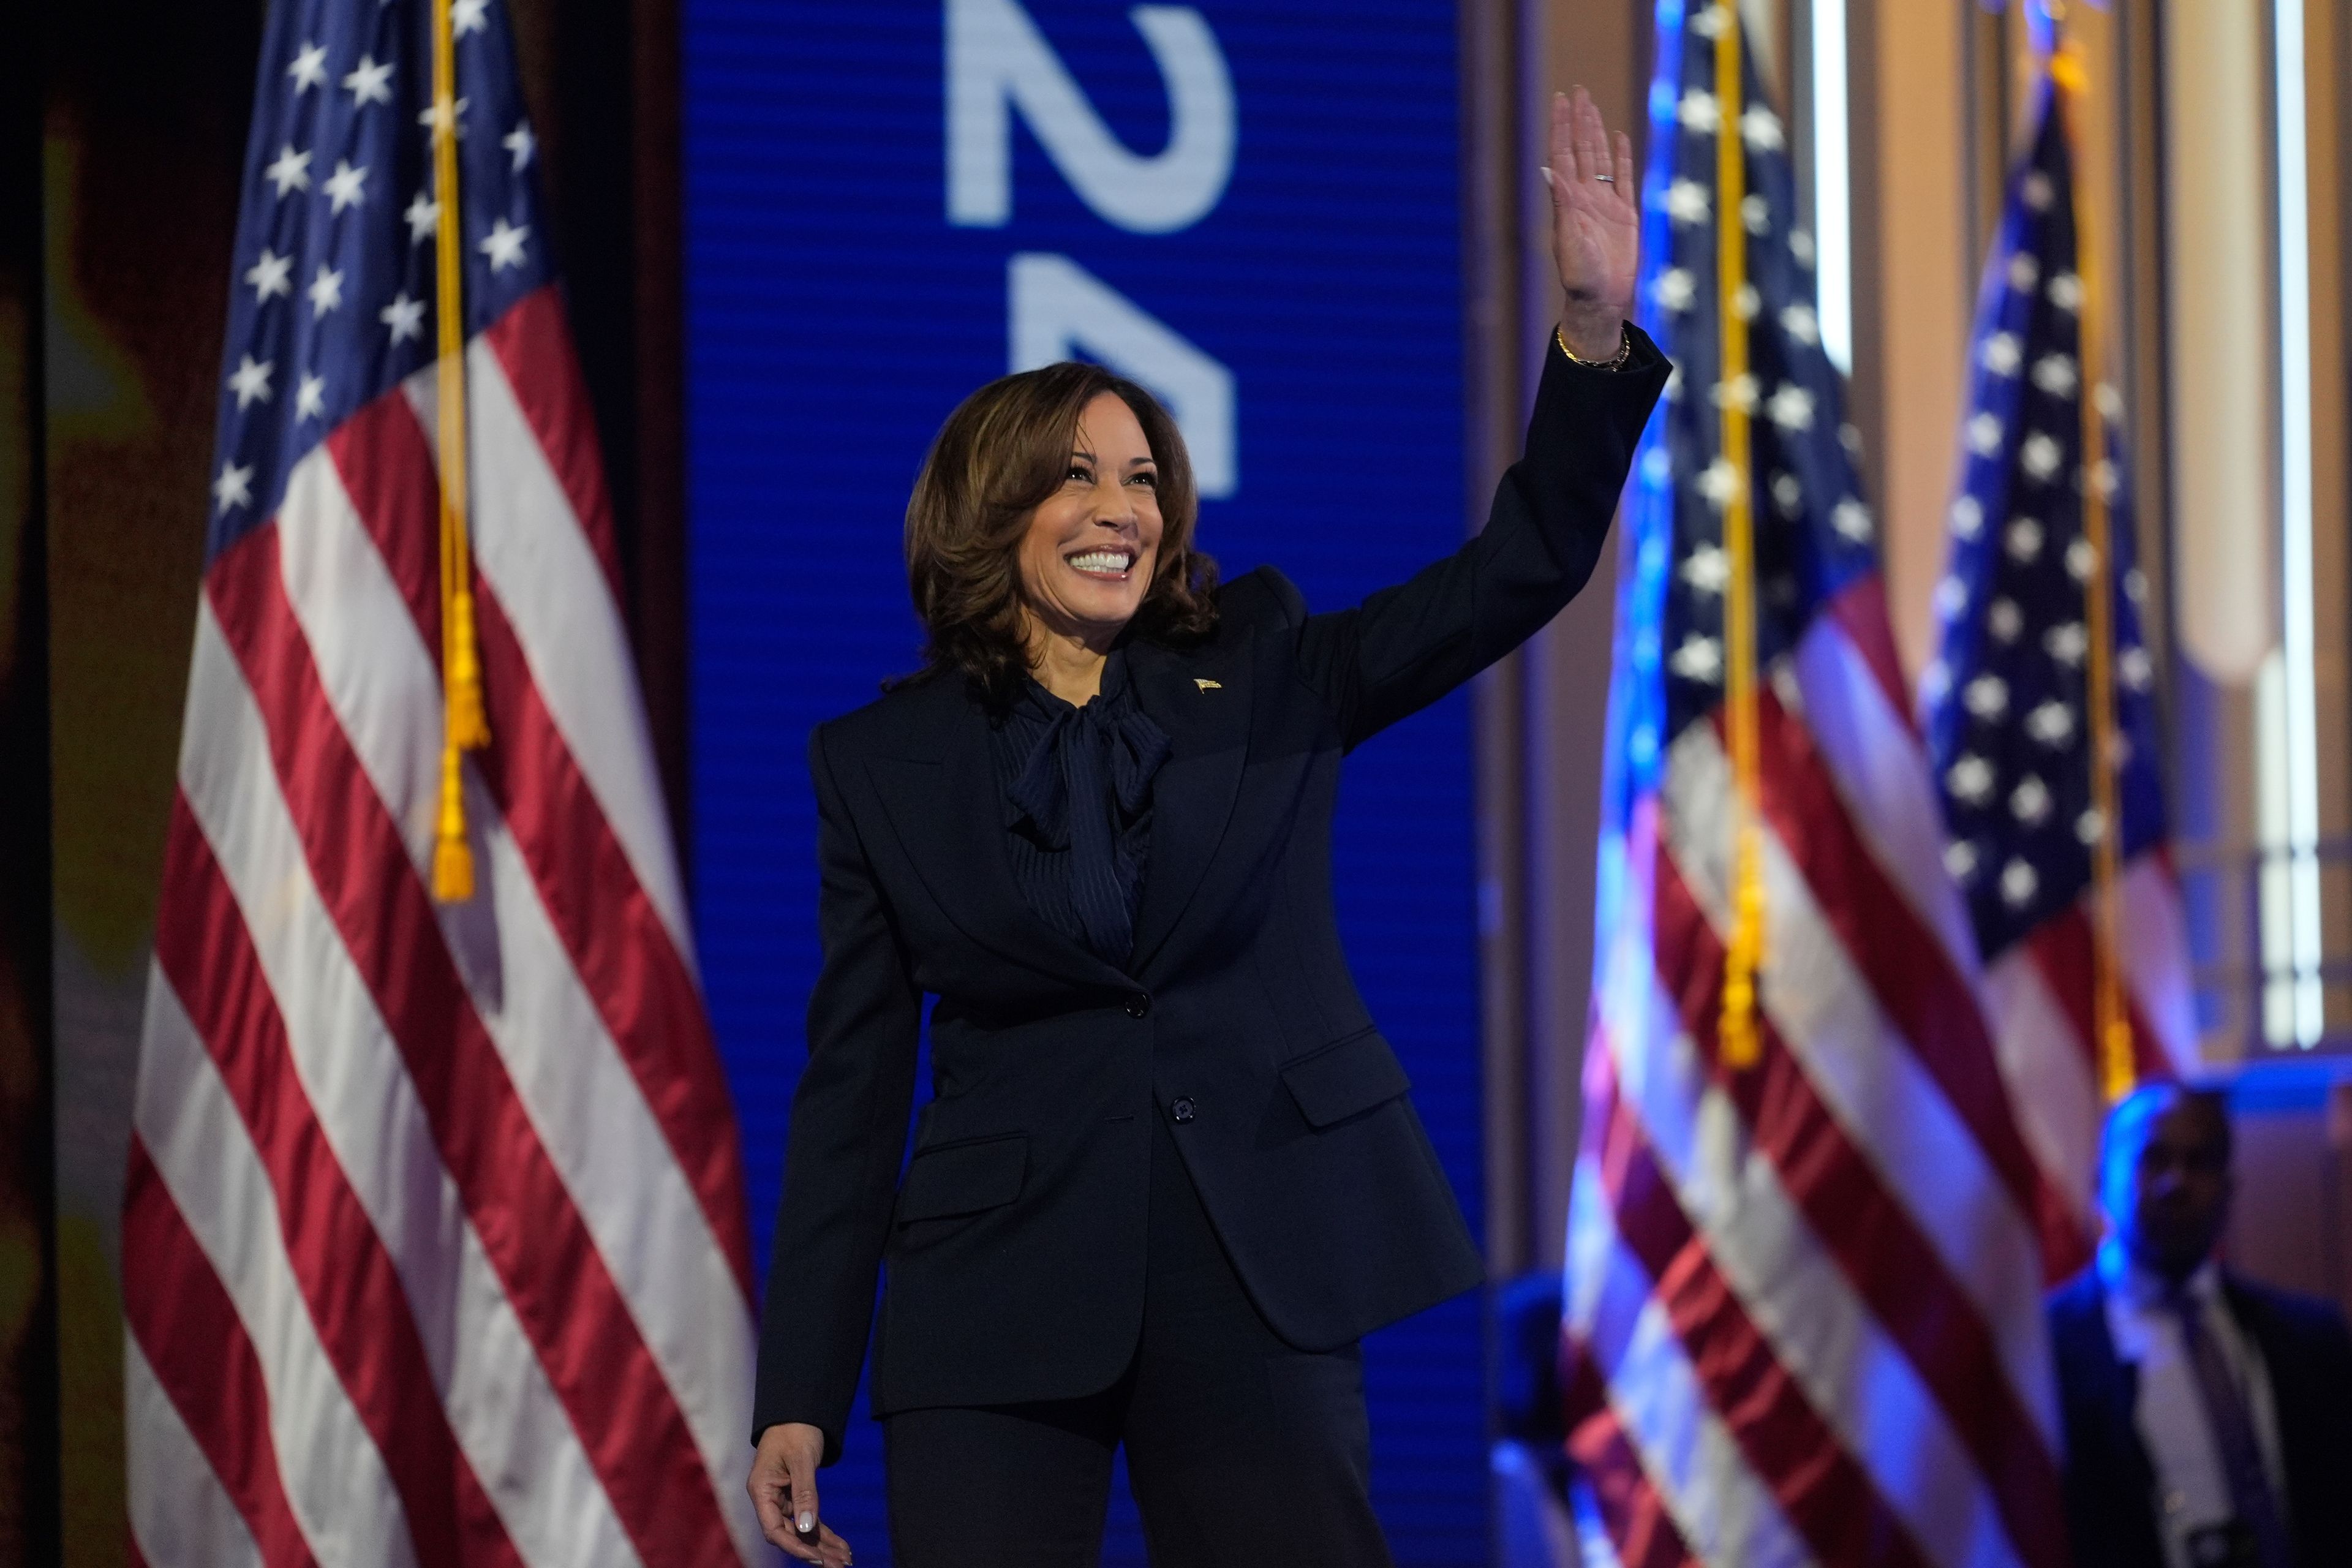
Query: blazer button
[1182,1110]
[1137,1006]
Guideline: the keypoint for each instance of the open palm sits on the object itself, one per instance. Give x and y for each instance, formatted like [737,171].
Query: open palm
[1596,223]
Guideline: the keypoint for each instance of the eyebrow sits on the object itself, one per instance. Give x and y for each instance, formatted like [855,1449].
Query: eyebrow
[1077,452]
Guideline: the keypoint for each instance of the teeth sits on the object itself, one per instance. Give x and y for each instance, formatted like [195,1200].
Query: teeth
[1102,560]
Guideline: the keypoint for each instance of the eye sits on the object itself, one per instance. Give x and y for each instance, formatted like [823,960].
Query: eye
[1080,472]
[1145,477]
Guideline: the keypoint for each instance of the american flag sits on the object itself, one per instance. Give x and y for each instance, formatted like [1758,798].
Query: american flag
[2007,697]
[1803,1296]
[434,1238]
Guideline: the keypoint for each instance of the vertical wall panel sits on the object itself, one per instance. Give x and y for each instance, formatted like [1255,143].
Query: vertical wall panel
[2222,437]
[1915,286]
[1494,359]
[2328,132]
[1606,46]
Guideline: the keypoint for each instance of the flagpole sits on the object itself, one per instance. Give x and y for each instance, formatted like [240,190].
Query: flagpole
[2111,1017]
[1744,953]
[466,728]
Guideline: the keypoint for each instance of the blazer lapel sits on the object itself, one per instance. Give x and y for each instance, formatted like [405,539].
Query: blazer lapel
[1203,703]
[949,815]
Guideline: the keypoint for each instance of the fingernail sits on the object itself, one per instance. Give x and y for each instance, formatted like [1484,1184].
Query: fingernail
[807,1521]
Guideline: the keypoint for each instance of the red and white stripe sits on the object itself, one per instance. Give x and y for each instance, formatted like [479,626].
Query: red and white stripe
[2038,995]
[434,1242]
[1804,1297]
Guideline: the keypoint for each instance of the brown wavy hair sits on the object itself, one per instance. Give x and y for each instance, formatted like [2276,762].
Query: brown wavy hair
[1000,455]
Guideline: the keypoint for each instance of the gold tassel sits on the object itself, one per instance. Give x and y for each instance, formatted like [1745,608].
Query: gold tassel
[1738,1032]
[465,724]
[469,728]
[1743,960]
[453,855]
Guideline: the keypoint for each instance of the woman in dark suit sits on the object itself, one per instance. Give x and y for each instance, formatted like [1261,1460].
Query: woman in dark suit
[1169,1177]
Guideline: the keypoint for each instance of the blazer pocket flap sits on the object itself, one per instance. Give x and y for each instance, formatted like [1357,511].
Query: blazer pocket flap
[1343,1078]
[963,1178]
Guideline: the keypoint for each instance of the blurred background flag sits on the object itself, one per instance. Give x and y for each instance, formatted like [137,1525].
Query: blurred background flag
[2010,700]
[434,1238]
[1803,1294]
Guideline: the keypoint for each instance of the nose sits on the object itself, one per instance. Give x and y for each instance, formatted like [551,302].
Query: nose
[1114,507]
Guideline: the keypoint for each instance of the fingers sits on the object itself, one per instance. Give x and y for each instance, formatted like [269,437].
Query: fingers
[823,1547]
[804,1551]
[1557,182]
[771,1515]
[1583,150]
[766,1484]
[1592,132]
[811,1550]
[1580,137]
[772,1503]
[771,1500]
[801,1466]
[783,1484]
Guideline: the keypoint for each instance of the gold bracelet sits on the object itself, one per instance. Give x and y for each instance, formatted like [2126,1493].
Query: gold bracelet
[1625,350]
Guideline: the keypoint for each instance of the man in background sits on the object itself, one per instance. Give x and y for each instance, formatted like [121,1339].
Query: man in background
[2208,1420]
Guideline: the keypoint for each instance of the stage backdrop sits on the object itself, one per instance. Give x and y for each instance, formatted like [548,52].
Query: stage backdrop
[1255,210]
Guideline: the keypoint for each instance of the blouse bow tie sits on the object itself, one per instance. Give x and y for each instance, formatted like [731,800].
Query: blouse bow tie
[1087,779]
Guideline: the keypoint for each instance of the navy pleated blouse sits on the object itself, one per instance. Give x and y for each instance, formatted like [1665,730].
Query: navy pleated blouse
[1077,807]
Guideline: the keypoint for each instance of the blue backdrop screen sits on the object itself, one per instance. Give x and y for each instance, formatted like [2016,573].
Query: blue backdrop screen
[1255,210]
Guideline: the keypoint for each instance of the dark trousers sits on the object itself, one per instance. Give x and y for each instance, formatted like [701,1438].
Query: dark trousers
[1240,1451]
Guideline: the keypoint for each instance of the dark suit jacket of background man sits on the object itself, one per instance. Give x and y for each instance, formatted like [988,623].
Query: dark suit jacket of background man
[2111,1499]
[1016,1243]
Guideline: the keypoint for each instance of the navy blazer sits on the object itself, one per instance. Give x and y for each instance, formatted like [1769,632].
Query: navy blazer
[2111,1501]
[1015,1242]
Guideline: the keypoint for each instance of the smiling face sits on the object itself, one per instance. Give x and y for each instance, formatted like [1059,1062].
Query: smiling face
[1093,544]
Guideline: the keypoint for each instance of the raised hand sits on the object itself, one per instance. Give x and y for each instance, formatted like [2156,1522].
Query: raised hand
[1596,223]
